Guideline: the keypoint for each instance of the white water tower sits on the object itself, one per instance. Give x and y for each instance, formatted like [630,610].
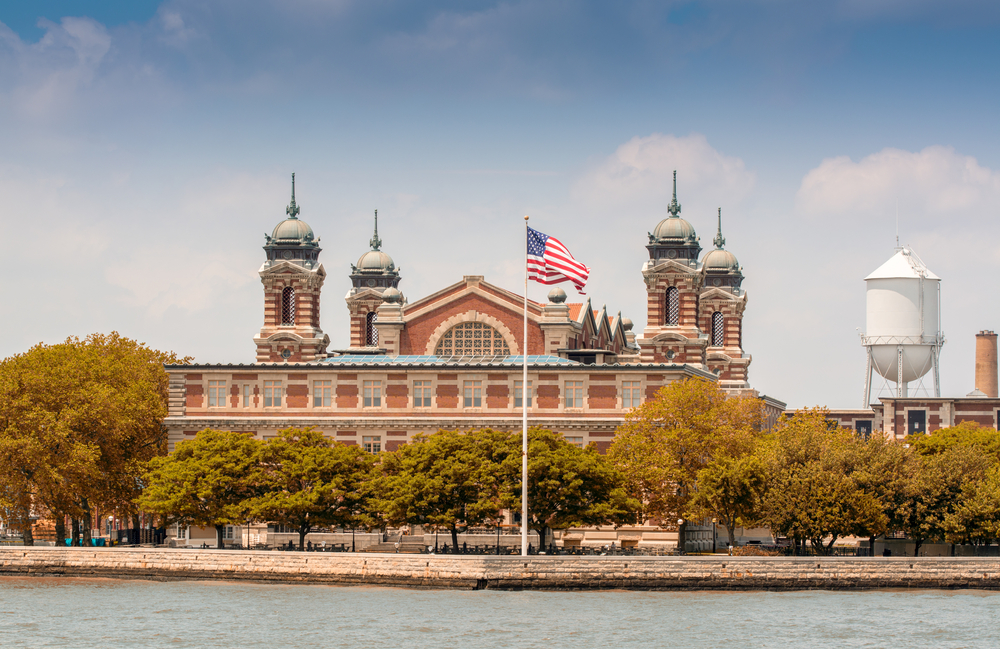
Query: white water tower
[903,330]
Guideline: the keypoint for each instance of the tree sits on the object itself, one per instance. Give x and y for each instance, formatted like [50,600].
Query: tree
[665,442]
[732,490]
[208,481]
[78,421]
[570,486]
[813,492]
[306,481]
[438,480]
[882,467]
[975,517]
[934,488]
[965,433]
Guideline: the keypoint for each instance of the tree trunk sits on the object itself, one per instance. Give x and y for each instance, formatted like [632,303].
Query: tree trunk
[303,530]
[29,537]
[871,546]
[916,548]
[135,522]
[454,538]
[219,529]
[60,529]
[87,523]
[731,532]
[75,524]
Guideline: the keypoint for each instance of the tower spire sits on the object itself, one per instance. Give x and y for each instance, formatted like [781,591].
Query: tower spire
[375,242]
[292,210]
[675,207]
[719,240]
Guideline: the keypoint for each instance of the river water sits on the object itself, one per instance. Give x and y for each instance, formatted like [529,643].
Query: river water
[58,612]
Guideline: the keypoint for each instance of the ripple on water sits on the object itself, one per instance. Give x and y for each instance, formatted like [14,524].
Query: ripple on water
[55,612]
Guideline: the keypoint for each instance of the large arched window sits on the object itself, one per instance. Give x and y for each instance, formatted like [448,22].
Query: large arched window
[673,306]
[718,329]
[472,339]
[371,331]
[288,306]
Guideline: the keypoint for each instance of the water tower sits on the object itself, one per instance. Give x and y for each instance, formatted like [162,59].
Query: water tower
[903,331]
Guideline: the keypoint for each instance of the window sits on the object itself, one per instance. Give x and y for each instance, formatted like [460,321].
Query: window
[272,394]
[216,394]
[373,394]
[473,394]
[372,443]
[288,306]
[863,428]
[718,329]
[574,394]
[916,422]
[246,396]
[228,532]
[575,441]
[518,390]
[631,394]
[472,339]
[322,394]
[371,331]
[673,306]
[421,394]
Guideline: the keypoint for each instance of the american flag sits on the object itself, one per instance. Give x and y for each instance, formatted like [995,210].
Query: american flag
[549,262]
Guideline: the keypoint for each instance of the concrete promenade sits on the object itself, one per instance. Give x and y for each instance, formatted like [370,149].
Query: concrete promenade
[508,573]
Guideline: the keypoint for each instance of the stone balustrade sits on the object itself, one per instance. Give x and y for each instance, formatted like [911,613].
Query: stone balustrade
[509,573]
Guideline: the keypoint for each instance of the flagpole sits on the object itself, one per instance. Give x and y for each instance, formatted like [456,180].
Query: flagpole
[524,405]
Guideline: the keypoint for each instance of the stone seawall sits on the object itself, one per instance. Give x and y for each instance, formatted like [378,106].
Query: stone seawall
[509,573]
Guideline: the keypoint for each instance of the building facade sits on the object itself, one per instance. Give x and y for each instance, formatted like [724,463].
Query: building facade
[452,359]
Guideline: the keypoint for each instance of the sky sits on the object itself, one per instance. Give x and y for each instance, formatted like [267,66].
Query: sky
[146,148]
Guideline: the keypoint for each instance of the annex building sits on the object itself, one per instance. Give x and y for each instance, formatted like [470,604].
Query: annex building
[452,359]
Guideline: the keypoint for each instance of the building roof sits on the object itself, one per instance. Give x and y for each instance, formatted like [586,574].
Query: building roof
[373,359]
[905,264]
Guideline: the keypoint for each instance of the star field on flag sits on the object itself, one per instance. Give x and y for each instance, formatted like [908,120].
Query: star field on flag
[550,262]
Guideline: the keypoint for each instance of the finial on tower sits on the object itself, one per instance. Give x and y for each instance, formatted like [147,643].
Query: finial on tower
[675,207]
[292,210]
[719,240]
[376,243]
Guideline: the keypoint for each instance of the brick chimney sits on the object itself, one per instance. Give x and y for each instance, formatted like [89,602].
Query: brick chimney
[986,363]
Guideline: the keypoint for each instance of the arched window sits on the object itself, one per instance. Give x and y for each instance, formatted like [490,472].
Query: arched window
[472,339]
[288,306]
[371,331]
[673,306]
[718,330]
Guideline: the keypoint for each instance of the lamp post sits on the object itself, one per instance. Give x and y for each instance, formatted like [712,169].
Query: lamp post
[680,536]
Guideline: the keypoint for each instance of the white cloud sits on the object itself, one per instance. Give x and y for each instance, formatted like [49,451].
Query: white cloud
[928,185]
[639,175]
[49,72]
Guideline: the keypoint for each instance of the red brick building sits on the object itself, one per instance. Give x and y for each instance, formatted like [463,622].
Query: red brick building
[452,359]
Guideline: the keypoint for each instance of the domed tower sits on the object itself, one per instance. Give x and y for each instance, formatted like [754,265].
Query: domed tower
[673,281]
[720,314]
[374,273]
[292,278]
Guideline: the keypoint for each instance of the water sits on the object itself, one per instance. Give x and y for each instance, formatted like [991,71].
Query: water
[57,612]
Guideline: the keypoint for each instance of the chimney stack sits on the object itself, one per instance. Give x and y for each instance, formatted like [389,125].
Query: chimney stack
[986,363]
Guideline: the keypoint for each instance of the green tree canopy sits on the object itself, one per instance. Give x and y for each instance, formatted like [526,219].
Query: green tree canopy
[78,421]
[570,486]
[667,441]
[306,481]
[813,492]
[208,481]
[436,480]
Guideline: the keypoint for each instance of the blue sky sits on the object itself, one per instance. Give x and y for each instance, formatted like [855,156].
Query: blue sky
[145,148]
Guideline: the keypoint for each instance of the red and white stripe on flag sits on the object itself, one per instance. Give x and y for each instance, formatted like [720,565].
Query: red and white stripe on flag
[550,262]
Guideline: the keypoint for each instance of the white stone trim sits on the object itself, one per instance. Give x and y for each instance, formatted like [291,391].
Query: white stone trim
[472,316]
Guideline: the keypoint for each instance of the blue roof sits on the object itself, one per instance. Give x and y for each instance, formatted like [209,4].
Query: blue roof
[377,359]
